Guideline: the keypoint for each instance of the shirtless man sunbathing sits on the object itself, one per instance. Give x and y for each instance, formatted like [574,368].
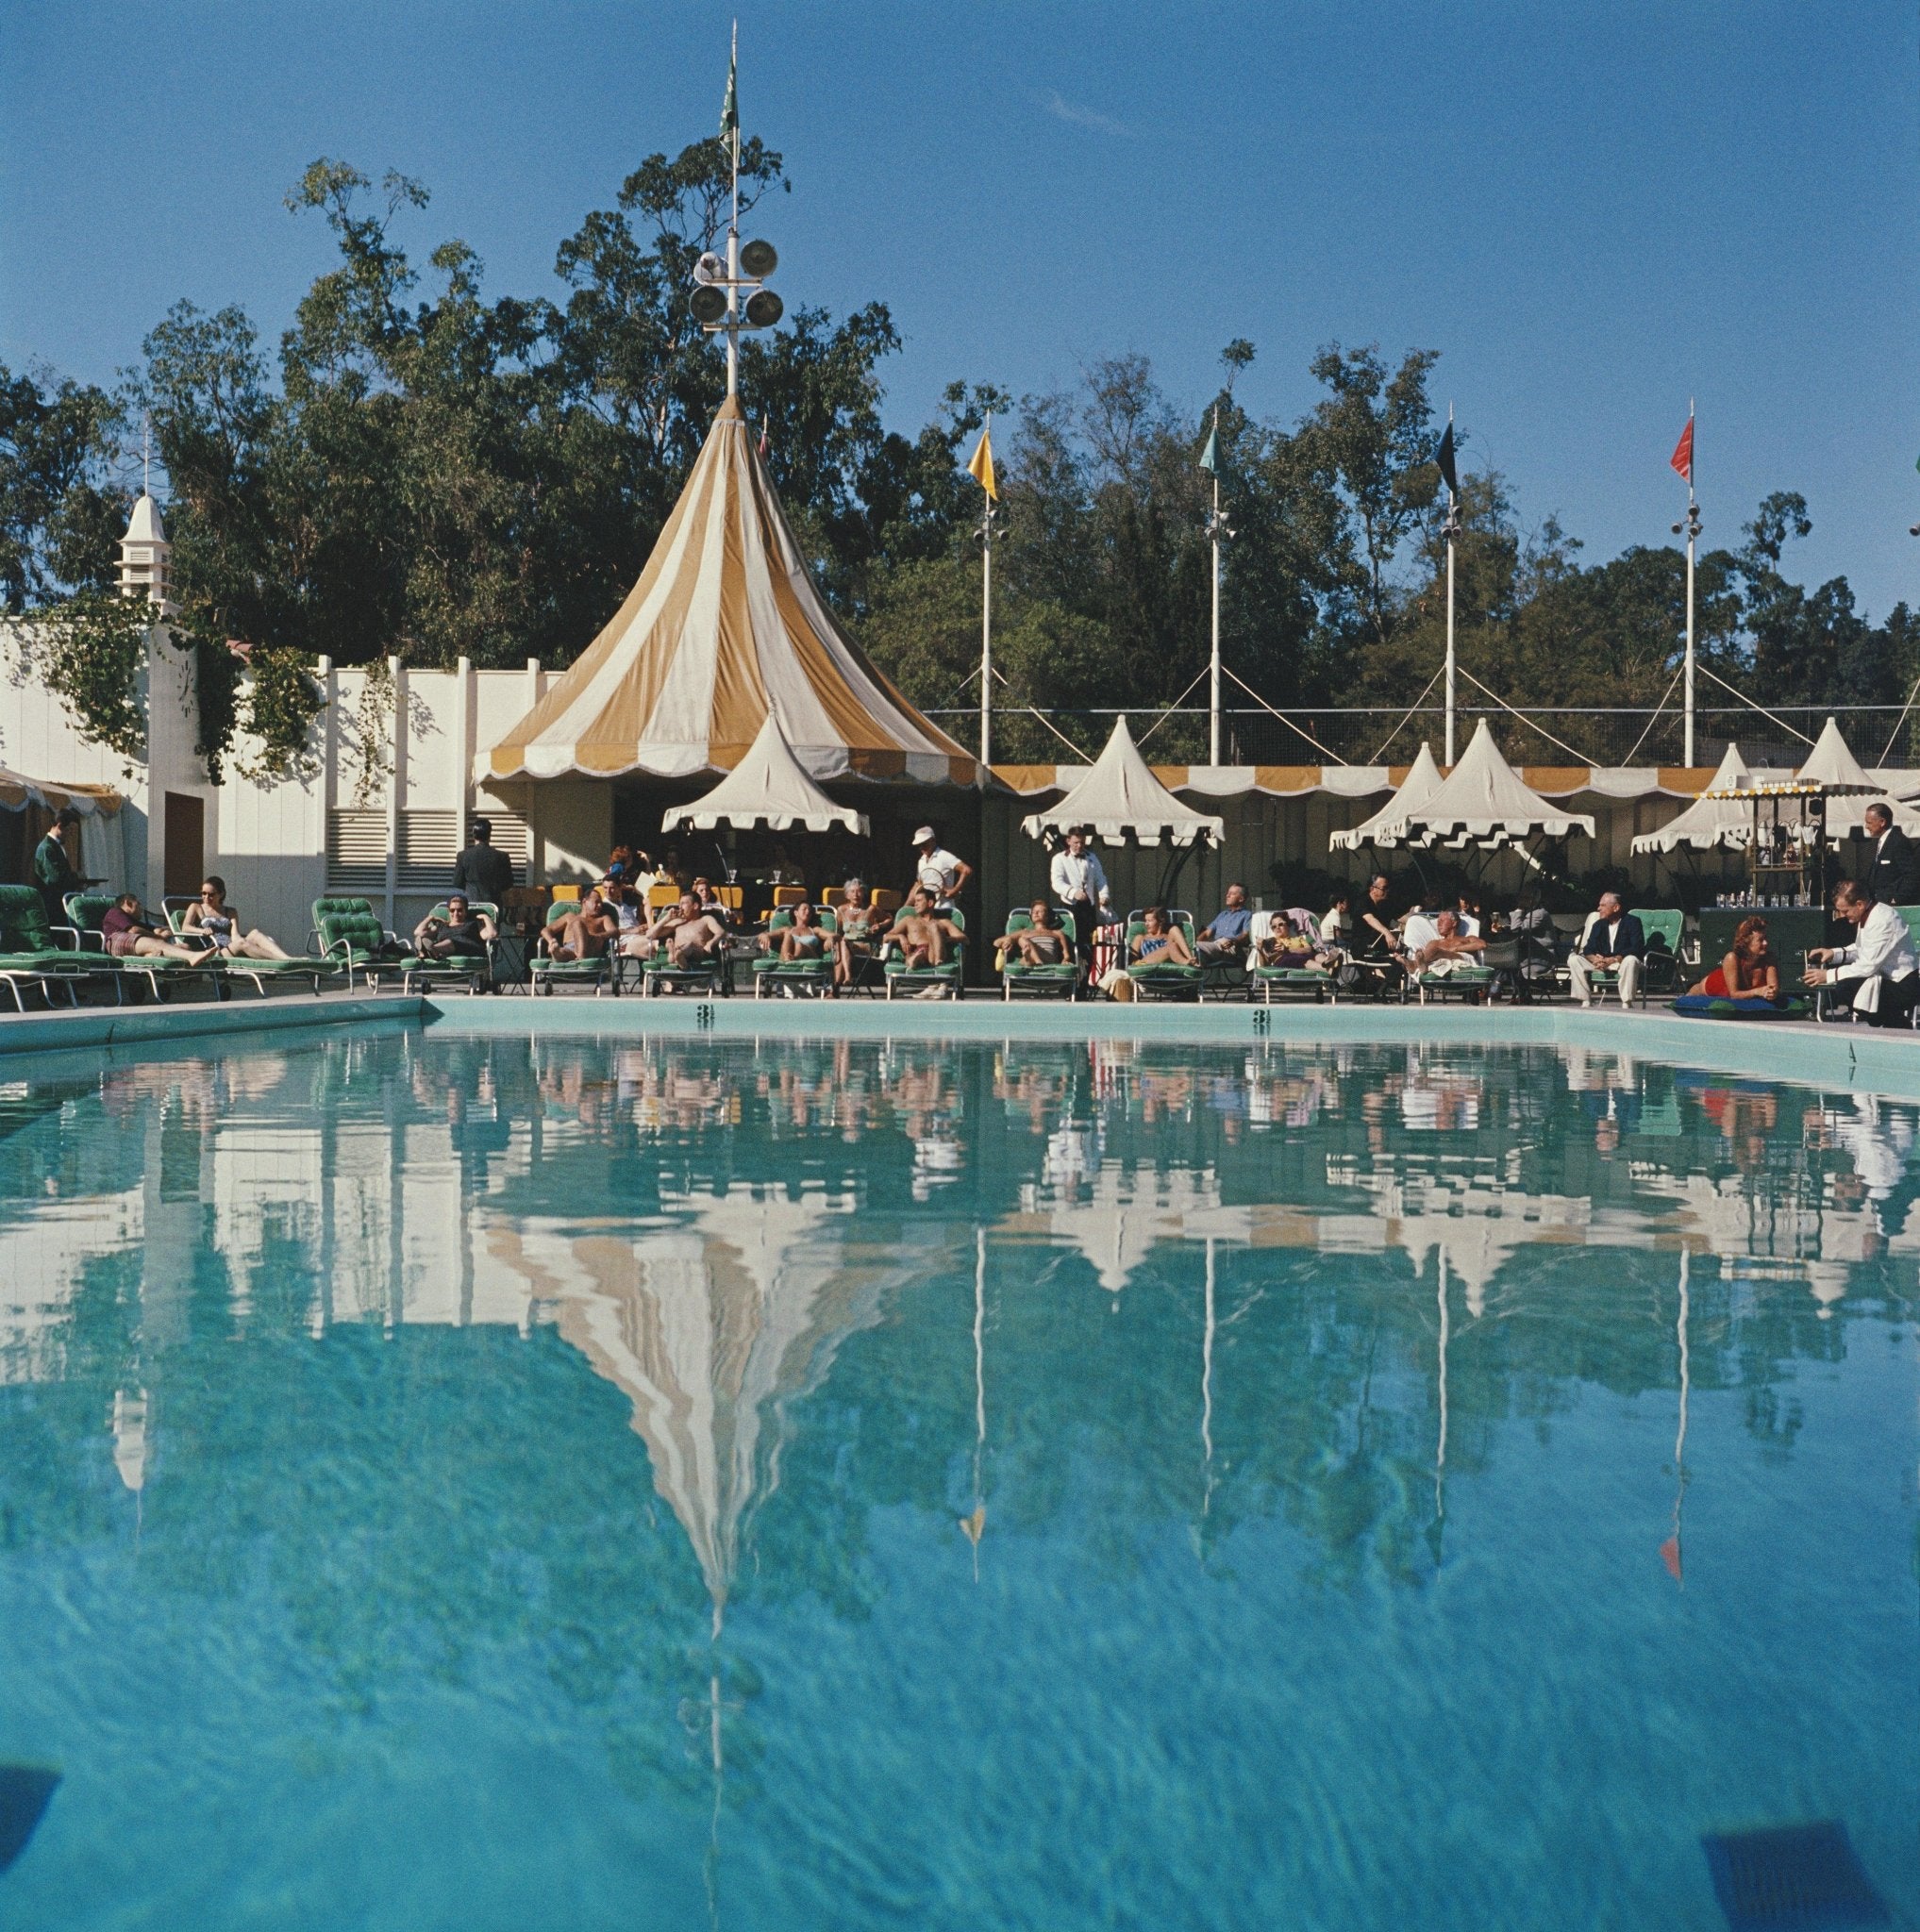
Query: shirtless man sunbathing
[1042,943]
[924,939]
[581,935]
[1448,944]
[688,936]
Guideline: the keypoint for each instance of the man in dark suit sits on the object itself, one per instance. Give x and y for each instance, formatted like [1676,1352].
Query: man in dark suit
[1613,942]
[480,872]
[1893,872]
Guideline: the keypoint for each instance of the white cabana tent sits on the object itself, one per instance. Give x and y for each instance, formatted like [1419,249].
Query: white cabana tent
[1483,801]
[1419,785]
[1119,796]
[769,786]
[1709,822]
[1833,765]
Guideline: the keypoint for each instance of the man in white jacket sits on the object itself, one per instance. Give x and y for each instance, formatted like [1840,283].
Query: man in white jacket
[1880,962]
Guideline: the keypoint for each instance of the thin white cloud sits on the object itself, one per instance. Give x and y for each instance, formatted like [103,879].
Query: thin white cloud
[1062,109]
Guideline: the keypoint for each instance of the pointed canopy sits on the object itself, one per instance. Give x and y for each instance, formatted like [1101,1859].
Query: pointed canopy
[724,628]
[1483,801]
[1419,785]
[1120,795]
[1831,764]
[767,788]
[1709,822]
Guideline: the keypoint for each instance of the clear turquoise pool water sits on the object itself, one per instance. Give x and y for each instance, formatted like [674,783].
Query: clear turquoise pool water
[475,1483]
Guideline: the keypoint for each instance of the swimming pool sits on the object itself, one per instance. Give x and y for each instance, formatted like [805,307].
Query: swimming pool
[459,1480]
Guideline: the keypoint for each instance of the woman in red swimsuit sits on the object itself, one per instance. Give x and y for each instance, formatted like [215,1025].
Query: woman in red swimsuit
[1750,972]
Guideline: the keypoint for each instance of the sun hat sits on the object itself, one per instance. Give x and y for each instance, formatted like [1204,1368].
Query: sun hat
[923,836]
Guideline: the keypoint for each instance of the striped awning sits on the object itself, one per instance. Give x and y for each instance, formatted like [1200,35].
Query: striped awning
[724,626]
[17,793]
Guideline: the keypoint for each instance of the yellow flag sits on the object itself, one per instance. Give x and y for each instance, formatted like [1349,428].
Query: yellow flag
[981,468]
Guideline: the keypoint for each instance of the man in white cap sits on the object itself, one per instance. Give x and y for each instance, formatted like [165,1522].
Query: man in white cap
[937,868]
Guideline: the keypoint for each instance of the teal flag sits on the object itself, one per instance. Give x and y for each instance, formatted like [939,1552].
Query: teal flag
[1210,457]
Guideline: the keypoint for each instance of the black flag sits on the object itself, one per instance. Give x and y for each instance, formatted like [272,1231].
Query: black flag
[1443,456]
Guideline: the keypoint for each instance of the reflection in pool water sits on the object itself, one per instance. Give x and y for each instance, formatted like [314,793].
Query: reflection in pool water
[455,1482]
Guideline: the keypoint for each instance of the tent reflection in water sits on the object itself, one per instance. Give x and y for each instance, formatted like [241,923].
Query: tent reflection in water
[712,1328]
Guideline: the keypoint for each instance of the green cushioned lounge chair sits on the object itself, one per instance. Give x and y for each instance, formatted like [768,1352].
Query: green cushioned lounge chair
[1163,982]
[1661,971]
[474,974]
[31,956]
[1268,983]
[1459,982]
[258,970]
[84,910]
[545,973]
[904,981]
[773,976]
[1018,981]
[351,941]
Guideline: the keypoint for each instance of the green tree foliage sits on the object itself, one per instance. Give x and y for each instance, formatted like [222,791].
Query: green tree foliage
[420,468]
[61,513]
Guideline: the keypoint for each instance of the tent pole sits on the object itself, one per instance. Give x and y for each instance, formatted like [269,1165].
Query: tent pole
[986,643]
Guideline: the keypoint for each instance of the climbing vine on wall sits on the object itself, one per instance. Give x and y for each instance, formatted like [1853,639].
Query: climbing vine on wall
[282,700]
[90,652]
[373,731]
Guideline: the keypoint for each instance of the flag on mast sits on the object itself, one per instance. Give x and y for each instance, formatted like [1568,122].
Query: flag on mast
[1210,457]
[980,466]
[1443,456]
[1682,458]
[729,112]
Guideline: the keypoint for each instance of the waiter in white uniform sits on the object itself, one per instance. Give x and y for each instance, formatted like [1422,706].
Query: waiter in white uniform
[1079,887]
[1881,959]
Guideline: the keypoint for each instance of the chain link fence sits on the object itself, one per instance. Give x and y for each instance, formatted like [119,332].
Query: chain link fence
[1781,737]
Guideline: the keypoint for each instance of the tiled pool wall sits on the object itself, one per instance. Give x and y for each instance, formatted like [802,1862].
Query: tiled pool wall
[1846,1059]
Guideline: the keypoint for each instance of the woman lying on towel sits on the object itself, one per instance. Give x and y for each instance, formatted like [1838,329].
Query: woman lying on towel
[1750,972]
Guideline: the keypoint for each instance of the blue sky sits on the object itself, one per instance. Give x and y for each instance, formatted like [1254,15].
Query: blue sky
[1593,211]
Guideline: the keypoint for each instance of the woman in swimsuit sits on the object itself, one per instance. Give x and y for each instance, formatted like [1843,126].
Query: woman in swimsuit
[1750,972]
[214,921]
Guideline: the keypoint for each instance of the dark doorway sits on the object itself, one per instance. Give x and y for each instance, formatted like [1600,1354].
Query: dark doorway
[186,845]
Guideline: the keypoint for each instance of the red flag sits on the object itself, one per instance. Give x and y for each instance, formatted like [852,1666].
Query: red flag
[1670,1555]
[1683,453]
[763,441]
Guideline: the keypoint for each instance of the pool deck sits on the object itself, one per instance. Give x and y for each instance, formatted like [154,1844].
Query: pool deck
[1845,1058]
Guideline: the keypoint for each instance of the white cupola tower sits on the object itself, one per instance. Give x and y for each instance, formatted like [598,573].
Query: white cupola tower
[147,557]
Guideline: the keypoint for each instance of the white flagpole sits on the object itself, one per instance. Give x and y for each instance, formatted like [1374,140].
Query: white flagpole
[1213,698]
[1452,526]
[733,240]
[986,640]
[1692,535]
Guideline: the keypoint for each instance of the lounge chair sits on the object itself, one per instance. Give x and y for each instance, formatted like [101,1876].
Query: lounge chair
[545,972]
[774,976]
[1163,981]
[470,973]
[1043,982]
[1454,981]
[85,912]
[903,979]
[258,970]
[349,938]
[1269,983]
[31,956]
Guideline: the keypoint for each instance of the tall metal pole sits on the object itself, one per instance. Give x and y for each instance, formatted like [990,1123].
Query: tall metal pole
[1450,526]
[986,643]
[733,245]
[1692,531]
[1214,699]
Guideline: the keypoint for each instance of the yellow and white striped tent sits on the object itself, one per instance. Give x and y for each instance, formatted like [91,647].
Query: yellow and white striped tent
[724,626]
